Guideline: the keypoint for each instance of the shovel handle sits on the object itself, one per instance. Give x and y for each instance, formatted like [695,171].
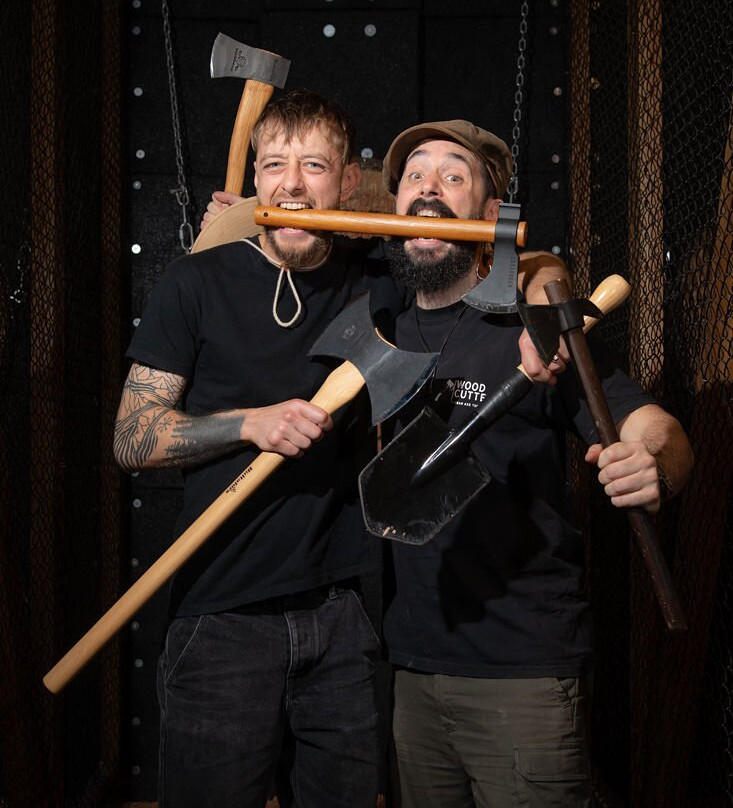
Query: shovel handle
[383,224]
[641,523]
[338,389]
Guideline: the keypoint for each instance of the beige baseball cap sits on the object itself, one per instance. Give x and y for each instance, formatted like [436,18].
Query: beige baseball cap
[490,149]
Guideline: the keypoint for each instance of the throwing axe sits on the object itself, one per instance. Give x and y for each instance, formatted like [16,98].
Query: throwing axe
[391,376]
[262,71]
[425,476]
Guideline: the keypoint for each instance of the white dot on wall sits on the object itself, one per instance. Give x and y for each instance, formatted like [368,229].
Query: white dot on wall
[136,249]
[134,625]
[329,30]
[134,562]
[556,250]
[137,91]
[135,721]
[135,770]
[555,158]
[136,30]
[553,31]
[136,322]
[140,153]
[366,153]
[370,30]
[137,503]
[554,185]
[138,663]
[557,91]
[137,185]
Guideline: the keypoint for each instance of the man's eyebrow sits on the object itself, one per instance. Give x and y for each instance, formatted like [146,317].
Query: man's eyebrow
[455,155]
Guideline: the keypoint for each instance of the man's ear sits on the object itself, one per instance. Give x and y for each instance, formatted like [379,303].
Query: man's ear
[350,179]
[491,209]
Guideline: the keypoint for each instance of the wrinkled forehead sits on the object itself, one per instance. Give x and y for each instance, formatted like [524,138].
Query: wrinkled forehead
[433,149]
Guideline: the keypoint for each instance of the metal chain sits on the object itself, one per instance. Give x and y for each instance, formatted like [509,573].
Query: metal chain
[185,231]
[518,101]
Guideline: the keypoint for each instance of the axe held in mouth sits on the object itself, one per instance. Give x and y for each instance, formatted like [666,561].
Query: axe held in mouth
[391,376]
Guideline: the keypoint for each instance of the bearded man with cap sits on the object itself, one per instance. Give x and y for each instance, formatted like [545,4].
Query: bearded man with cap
[488,624]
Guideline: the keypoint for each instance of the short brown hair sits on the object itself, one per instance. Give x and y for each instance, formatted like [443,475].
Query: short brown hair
[297,111]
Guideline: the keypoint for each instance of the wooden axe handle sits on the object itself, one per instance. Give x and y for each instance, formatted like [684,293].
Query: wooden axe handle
[641,523]
[254,99]
[383,224]
[340,387]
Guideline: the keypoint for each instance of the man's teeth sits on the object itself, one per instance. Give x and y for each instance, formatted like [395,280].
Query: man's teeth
[432,213]
[293,205]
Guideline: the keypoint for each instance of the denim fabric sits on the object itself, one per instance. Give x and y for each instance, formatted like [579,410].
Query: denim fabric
[231,685]
[464,742]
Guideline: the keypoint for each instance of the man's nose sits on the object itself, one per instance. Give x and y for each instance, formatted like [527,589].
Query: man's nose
[292,179]
[429,185]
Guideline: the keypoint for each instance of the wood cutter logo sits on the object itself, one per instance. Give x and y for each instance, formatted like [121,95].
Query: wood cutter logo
[467,393]
[239,60]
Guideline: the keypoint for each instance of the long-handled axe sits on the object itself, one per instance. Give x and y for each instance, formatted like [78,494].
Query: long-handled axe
[426,475]
[262,72]
[391,376]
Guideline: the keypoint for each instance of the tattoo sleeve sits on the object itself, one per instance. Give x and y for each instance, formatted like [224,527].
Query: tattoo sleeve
[150,432]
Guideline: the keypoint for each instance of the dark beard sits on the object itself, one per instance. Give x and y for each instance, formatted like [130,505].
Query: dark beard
[300,259]
[423,273]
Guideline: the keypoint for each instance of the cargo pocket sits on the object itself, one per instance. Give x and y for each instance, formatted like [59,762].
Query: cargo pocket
[552,776]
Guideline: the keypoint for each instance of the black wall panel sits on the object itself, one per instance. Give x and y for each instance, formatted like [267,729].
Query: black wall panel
[391,64]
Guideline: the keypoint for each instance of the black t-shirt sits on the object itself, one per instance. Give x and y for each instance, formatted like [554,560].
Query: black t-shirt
[498,592]
[210,320]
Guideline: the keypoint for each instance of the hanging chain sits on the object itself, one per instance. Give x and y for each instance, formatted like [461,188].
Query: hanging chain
[518,101]
[185,231]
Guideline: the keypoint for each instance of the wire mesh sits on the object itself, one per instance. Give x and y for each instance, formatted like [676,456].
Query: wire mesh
[651,200]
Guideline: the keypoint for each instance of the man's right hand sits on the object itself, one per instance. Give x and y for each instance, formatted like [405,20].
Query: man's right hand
[220,201]
[288,428]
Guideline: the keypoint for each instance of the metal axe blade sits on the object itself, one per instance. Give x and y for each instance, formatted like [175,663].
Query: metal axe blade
[392,376]
[235,59]
[497,292]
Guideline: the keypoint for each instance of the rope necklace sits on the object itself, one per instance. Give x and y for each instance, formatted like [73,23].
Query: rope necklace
[286,271]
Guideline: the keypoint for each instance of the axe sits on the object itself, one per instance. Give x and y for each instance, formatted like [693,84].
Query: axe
[386,224]
[392,377]
[642,526]
[262,72]
[426,475]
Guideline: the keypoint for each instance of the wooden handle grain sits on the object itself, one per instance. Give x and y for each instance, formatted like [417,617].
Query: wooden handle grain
[254,99]
[383,224]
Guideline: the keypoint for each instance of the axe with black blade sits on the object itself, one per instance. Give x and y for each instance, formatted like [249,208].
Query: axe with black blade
[425,476]
[391,376]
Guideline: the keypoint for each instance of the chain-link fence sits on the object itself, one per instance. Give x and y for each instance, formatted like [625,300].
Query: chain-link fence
[651,199]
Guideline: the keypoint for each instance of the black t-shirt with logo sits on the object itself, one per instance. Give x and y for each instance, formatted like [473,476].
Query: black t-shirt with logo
[210,320]
[499,591]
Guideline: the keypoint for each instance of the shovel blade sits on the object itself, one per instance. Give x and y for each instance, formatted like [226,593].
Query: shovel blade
[393,508]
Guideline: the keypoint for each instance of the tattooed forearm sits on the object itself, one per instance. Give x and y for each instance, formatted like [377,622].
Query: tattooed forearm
[150,432]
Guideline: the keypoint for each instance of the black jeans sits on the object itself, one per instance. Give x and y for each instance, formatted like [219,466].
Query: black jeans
[231,684]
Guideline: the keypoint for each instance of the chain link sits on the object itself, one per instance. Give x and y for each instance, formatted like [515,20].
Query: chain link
[518,101]
[185,231]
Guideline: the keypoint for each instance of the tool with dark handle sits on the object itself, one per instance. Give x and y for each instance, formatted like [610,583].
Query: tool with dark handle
[641,523]
[609,294]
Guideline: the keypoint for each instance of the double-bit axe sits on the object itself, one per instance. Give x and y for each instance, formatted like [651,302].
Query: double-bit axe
[391,376]
[262,72]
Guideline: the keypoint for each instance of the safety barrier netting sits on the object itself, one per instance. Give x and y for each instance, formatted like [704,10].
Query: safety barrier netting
[60,355]
[651,198]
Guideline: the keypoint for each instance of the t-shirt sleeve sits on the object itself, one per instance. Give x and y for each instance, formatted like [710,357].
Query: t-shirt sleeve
[166,337]
[623,394]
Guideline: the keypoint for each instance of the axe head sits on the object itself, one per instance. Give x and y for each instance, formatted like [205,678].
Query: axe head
[392,376]
[232,58]
[545,324]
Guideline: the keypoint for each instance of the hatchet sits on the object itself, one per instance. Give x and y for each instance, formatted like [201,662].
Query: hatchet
[262,72]
[425,476]
[391,376]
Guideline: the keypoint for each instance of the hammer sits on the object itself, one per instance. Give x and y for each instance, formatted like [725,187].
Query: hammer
[262,71]
[392,377]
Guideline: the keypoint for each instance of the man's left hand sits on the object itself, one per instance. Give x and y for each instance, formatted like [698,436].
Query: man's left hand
[628,473]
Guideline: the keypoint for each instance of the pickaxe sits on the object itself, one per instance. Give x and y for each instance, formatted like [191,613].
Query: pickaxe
[391,376]
[262,71]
